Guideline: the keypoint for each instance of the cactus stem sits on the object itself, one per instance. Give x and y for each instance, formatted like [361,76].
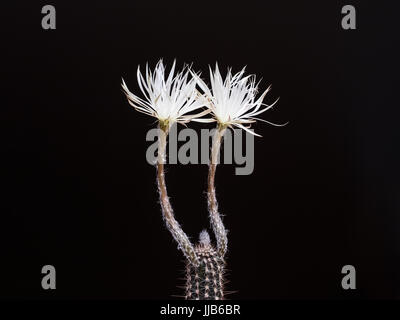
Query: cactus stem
[205,281]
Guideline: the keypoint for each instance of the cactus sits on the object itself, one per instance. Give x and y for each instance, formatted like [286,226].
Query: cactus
[172,99]
[205,281]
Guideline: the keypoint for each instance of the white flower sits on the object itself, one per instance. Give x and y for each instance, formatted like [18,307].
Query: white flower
[233,101]
[167,99]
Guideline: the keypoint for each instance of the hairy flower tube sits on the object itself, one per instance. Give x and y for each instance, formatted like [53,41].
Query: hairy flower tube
[233,101]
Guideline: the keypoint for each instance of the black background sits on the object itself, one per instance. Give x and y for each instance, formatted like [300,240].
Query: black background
[77,190]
